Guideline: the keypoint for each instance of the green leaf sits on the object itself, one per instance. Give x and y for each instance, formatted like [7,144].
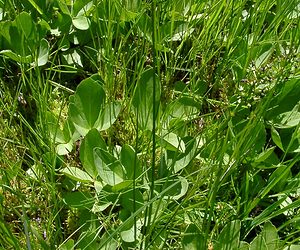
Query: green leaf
[128,235]
[276,138]
[144,27]
[69,245]
[61,24]
[70,136]
[172,142]
[25,24]
[264,155]
[292,247]
[65,145]
[43,52]
[174,188]
[5,31]
[65,138]
[181,31]
[272,211]
[132,5]
[108,242]
[69,132]
[263,57]
[53,126]
[229,238]
[16,57]
[267,240]
[81,22]
[260,137]
[125,185]
[37,8]
[109,169]
[193,239]
[288,119]
[185,108]
[142,101]
[88,239]
[290,139]
[108,116]
[43,28]
[100,208]
[108,199]
[64,148]
[244,245]
[288,201]
[274,179]
[92,140]
[78,199]
[63,7]
[35,172]
[82,7]
[77,174]
[132,200]
[178,161]
[285,100]
[130,162]
[279,178]
[72,58]
[86,105]
[64,44]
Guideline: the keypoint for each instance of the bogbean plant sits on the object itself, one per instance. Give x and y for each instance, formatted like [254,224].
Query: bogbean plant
[181,130]
[118,181]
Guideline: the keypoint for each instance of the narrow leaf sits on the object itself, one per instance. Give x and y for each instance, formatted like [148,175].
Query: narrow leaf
[229,238]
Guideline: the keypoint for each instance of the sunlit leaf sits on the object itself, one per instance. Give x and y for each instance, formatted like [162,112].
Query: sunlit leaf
[81,22]
[171,141]
[43,52]
[77,174]
[276,138]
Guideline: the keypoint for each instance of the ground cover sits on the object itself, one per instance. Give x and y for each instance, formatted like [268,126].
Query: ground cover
[149,124]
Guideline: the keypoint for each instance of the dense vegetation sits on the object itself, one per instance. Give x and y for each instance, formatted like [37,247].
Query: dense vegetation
[130,124]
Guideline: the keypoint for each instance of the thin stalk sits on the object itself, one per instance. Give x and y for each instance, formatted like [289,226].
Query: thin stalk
[154,65]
